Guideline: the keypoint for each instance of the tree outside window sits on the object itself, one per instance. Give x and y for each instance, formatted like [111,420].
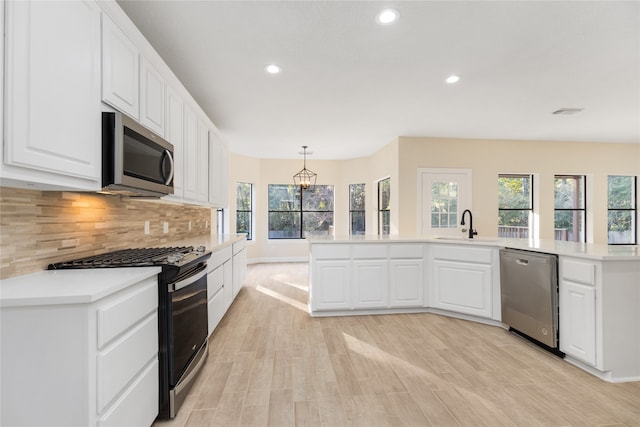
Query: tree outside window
[570,211]
[294,213]
[384,208]
[622,210]
[244,209]
[515,205]
[356,209]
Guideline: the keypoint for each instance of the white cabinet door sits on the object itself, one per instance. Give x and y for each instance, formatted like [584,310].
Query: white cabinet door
[228,283]
[190,154]
[52,85]
[462,287]
[174,133]
[239,271]
[406,283]
[578,320]
[202,186]
[218,172]
[120,70]
[152,90]
[370,284]
[333,282]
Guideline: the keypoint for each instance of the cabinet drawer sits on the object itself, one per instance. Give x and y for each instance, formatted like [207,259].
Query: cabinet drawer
[120,314]
[462,254]
[215,280]
[369,251]
[406,251]
[579,271]
[138,406]
[219,257]
[331,251]
[121,362]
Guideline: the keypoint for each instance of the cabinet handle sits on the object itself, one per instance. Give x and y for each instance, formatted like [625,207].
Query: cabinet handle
[168,155]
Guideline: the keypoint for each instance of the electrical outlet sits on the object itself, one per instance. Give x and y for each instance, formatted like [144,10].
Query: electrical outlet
[206,224]
[146,227]
[165,227]
[189,225]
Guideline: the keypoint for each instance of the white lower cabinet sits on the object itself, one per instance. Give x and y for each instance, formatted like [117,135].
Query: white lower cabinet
[82,364]
[219,285]
[462,280]
[578,320]
[239,265]
[330,285]
[407,277]
[370,284]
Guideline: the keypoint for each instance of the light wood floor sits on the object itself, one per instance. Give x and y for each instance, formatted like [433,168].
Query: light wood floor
[272,364]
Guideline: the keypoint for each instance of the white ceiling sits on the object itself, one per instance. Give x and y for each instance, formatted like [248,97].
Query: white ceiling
[349,86]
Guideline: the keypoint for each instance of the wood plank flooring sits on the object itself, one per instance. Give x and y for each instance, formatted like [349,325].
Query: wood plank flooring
[271,364]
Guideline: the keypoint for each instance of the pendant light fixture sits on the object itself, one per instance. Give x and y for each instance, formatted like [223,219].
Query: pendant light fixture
[305,179]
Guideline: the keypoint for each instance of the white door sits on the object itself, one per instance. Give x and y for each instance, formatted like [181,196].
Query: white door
[443,194]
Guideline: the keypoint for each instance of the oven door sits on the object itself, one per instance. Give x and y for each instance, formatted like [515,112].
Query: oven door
[188,321]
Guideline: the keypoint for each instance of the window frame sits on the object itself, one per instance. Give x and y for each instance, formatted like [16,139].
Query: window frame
[583,209]
[250,211]
[361,211]
[530,210]
[633,210]
[301,211]
[383,211]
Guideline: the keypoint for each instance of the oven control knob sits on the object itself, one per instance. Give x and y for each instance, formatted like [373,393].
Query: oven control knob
[173,258]
[200,249]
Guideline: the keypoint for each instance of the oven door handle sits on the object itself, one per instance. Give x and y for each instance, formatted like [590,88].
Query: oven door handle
[186,282]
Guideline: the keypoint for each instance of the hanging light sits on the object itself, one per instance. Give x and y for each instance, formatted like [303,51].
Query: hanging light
[305,179]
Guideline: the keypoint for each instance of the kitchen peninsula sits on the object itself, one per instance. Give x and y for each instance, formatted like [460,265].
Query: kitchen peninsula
[599,288]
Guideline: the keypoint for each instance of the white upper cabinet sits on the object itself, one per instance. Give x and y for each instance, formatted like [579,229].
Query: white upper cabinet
[218,172]
[120,70]
[52,99]
[174,133]
[202,186]
[152,94]
[190,154]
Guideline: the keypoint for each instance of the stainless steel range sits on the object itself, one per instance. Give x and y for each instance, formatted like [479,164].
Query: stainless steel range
[182,312]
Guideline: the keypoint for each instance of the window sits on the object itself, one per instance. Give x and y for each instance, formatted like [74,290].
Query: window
[515,205]
[444,204]
[356,209]
[220,221]
[570,212]
[384,209]
[244,209]
[622,208]
[293,212]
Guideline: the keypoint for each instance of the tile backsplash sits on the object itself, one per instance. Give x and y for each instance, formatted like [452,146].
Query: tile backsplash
[42,227]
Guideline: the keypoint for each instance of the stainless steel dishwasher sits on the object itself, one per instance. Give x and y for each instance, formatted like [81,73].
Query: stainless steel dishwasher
[529,286]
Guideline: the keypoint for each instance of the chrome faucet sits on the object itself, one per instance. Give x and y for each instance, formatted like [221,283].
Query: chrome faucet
[472,232]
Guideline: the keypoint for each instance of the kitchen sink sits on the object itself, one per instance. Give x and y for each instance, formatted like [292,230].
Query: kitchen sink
[466,239]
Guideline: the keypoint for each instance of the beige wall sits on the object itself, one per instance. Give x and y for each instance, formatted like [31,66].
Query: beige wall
[400,160]
[488,158]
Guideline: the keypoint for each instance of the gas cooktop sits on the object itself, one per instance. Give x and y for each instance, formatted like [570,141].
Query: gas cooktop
[142,257]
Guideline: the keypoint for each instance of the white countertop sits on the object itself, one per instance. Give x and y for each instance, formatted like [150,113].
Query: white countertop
[89,285]
[582,250]
[52,287]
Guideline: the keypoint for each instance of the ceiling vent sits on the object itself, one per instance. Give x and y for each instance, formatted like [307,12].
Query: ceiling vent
[567,111]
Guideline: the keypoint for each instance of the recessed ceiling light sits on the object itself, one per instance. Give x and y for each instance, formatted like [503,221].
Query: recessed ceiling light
[272,69]
[452,79]
[387,16]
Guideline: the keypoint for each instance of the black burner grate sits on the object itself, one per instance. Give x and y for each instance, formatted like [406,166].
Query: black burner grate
[124,258]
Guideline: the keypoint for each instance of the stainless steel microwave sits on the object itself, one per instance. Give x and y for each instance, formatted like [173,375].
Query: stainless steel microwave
[135,161]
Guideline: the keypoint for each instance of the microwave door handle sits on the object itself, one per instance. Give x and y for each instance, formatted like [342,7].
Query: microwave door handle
[167,153]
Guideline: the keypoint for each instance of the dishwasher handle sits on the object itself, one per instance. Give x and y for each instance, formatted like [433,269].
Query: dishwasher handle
[522,261]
